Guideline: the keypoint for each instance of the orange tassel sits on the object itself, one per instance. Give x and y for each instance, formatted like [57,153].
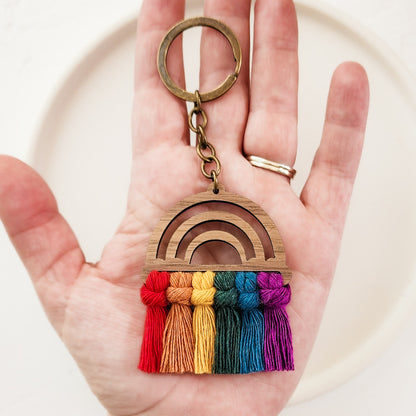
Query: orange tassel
[178,342]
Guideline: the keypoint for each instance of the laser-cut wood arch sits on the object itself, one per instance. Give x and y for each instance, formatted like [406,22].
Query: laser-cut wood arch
[209,216]
[215,236]
[258,229]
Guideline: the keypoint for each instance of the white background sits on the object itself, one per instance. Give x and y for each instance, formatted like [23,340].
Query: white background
[39,42]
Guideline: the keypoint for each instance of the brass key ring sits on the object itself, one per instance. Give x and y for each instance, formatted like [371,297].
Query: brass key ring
[177,30]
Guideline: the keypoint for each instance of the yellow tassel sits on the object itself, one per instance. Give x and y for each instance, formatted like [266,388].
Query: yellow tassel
[203,321]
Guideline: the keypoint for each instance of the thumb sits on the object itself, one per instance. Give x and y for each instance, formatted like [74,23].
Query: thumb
[41,236]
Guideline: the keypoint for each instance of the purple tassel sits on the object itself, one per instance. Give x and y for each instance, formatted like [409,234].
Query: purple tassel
[278,349]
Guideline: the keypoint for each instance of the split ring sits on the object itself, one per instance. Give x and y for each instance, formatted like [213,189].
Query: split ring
[167,42]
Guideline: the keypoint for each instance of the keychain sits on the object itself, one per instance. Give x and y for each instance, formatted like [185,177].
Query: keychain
[214,318]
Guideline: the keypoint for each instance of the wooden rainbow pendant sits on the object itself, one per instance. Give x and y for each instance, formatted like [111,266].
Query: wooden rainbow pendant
[207,317]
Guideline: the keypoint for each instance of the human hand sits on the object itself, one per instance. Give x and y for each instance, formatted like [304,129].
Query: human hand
[96,309]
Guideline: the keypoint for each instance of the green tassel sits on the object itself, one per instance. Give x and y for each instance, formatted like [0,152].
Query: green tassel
[227,323]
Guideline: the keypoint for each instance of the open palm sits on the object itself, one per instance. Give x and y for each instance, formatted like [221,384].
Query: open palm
[95,308]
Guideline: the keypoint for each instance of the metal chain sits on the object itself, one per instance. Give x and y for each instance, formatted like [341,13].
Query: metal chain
[202,143]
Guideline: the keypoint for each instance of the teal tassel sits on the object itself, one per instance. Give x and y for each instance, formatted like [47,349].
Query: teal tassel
[252,332]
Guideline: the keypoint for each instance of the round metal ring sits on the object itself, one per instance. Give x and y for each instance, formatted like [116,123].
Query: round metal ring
[279,168]
[177,30]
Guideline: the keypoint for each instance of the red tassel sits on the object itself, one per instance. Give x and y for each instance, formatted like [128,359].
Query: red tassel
[153,294]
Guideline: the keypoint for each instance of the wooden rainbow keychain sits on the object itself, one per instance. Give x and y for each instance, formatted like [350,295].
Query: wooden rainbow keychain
[214,318]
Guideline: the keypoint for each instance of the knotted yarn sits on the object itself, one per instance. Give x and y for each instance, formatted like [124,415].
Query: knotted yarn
[252,328]
[227,323]
[178,341]
[278,349]
[203,321]
[153,295]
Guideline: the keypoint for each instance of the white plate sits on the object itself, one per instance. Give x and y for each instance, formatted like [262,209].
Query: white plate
[83,151]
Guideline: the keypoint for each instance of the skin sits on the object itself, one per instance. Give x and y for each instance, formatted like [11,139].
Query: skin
[94,307]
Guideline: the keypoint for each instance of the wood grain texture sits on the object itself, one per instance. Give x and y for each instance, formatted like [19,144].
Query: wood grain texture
[202,238]
[182,227]
[212,216]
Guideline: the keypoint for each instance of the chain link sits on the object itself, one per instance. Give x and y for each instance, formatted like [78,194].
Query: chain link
[195,111]
[202,137]
[217,170]
[202,143]
[199,150]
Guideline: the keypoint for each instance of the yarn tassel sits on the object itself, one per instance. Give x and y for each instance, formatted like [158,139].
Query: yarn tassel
[278,350]
[203,321]
[228,325]
[178,342]
[153,295]
[252,332]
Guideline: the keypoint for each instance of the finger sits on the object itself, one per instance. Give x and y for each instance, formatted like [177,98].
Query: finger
[272,124]
[328,189]
[158,116]
[227,114]
[42,238]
